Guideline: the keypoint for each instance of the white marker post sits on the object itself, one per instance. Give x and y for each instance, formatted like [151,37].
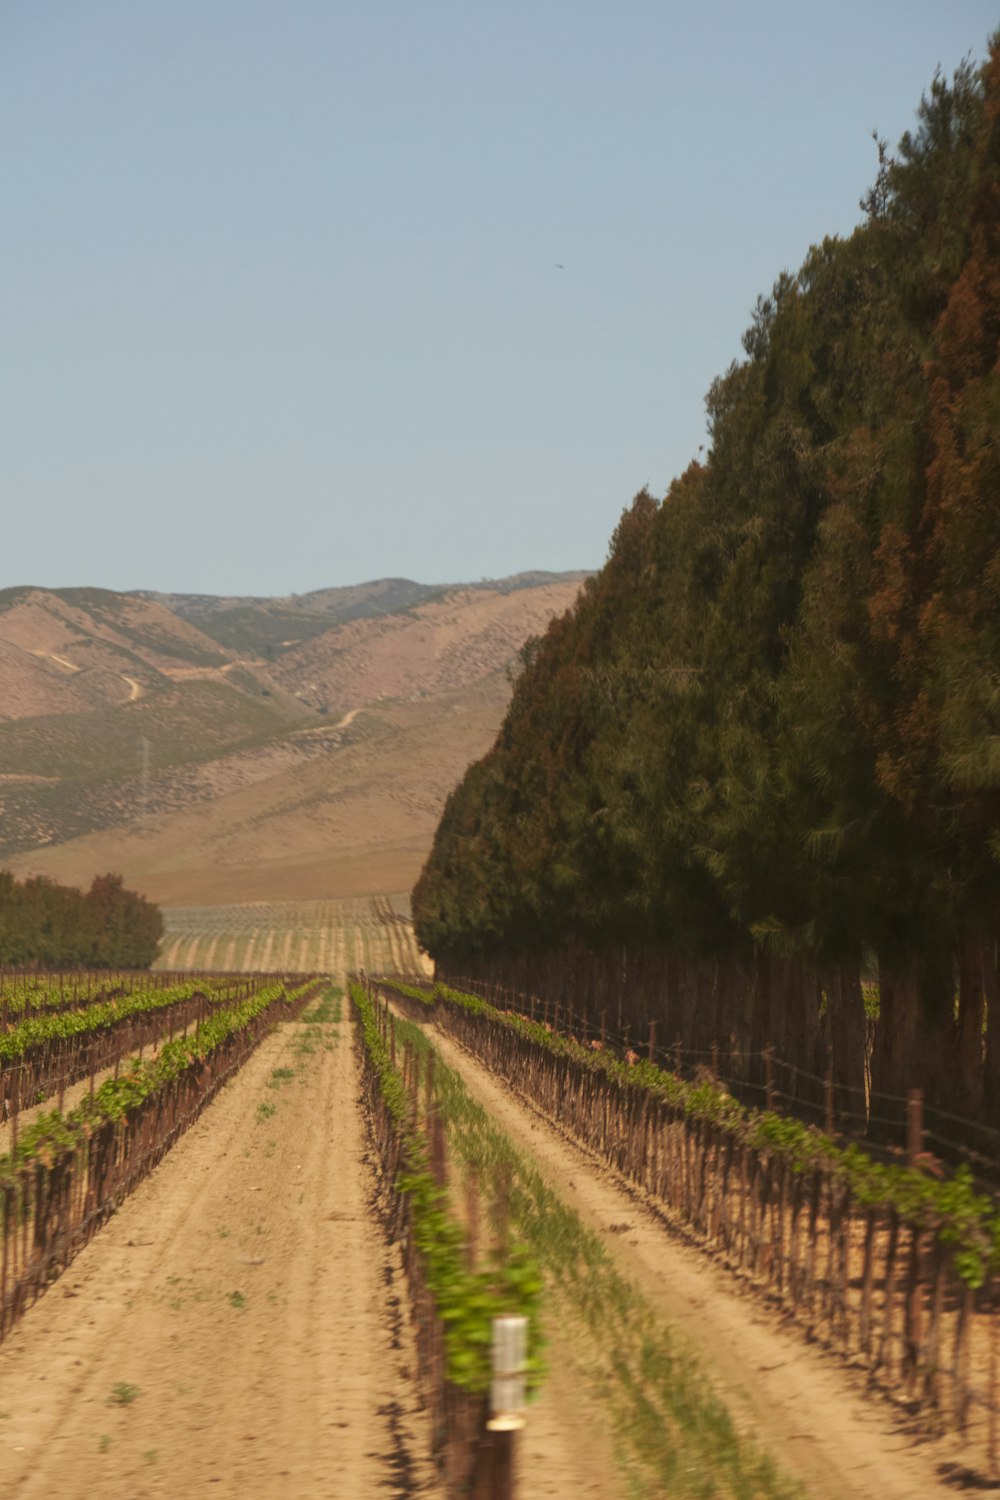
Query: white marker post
[507,1399]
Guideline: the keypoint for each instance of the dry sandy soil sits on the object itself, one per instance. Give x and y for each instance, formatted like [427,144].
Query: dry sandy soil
[246,1294]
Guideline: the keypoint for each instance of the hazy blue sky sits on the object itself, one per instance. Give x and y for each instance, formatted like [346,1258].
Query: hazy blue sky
[280,296]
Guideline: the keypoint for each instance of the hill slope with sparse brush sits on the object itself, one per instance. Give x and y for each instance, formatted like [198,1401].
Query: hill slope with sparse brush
[233,749]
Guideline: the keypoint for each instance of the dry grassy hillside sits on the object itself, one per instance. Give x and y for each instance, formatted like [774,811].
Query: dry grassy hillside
[242,767]
[437,647]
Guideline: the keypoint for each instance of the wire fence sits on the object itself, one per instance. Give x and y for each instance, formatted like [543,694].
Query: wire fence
[894,1128]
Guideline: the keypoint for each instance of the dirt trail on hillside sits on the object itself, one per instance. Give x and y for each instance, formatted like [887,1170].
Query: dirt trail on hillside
[806,1408]
[243,1306]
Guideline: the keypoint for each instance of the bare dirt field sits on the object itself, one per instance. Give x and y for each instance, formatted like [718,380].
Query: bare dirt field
[814,1415]
[305,937]
[239,1328]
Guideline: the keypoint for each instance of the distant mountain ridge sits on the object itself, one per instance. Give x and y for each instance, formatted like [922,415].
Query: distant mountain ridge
[246,621]
[221,748]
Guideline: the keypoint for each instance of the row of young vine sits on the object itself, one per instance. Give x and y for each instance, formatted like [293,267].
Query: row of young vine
[455,1293]
[69,1172]
[48,1051]
[45,993]
[882,1262]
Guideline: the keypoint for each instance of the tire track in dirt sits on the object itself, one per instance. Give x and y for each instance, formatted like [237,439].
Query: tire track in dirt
[241,1292]
[814,1415]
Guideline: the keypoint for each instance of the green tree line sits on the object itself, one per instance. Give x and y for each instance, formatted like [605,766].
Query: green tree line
[759,760]
[45,925]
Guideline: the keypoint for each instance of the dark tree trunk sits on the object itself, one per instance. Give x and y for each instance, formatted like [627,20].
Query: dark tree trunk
[991,985]
[967,1097]
[893,1063]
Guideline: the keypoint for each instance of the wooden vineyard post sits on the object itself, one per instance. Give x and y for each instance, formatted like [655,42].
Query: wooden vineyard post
[868,1282]
[604,1029]
[828,1102]
[715,1062]
[769,1079]
[677,1056]
[651,1050]
[471,1217]
[992,1312]
[439,1167]
[8,1220]
[501,1210]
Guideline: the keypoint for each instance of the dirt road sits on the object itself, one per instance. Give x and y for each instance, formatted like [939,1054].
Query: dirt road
[804,1407]
[236,1329]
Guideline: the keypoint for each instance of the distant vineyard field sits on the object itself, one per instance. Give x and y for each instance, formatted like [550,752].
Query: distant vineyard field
[295,937]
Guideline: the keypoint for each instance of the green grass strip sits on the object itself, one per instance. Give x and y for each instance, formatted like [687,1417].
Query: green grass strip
[674,1436]
[467,1300]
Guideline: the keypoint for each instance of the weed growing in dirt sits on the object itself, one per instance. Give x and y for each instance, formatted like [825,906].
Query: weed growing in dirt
[266,1109]
[151,1455]
[103,1443]
[123,1394]
[237,1299]
[673,1435]
[324,1014]
[326,1009]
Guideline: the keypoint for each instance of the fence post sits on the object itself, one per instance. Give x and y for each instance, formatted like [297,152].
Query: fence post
[715,1062]
[828,1102]
[652,1040]
[990,1308]
[677,1056]
[604,1029]
[769,1078]
[507,1399]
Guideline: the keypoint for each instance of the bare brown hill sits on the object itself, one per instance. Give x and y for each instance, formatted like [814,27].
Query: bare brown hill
[310,767]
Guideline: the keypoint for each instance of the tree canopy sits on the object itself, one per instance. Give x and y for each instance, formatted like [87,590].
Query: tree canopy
[772,721]
[47,925]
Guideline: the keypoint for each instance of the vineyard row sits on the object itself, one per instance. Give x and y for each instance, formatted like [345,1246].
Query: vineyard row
[455,1290]
[895,1270]
[69,1173]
